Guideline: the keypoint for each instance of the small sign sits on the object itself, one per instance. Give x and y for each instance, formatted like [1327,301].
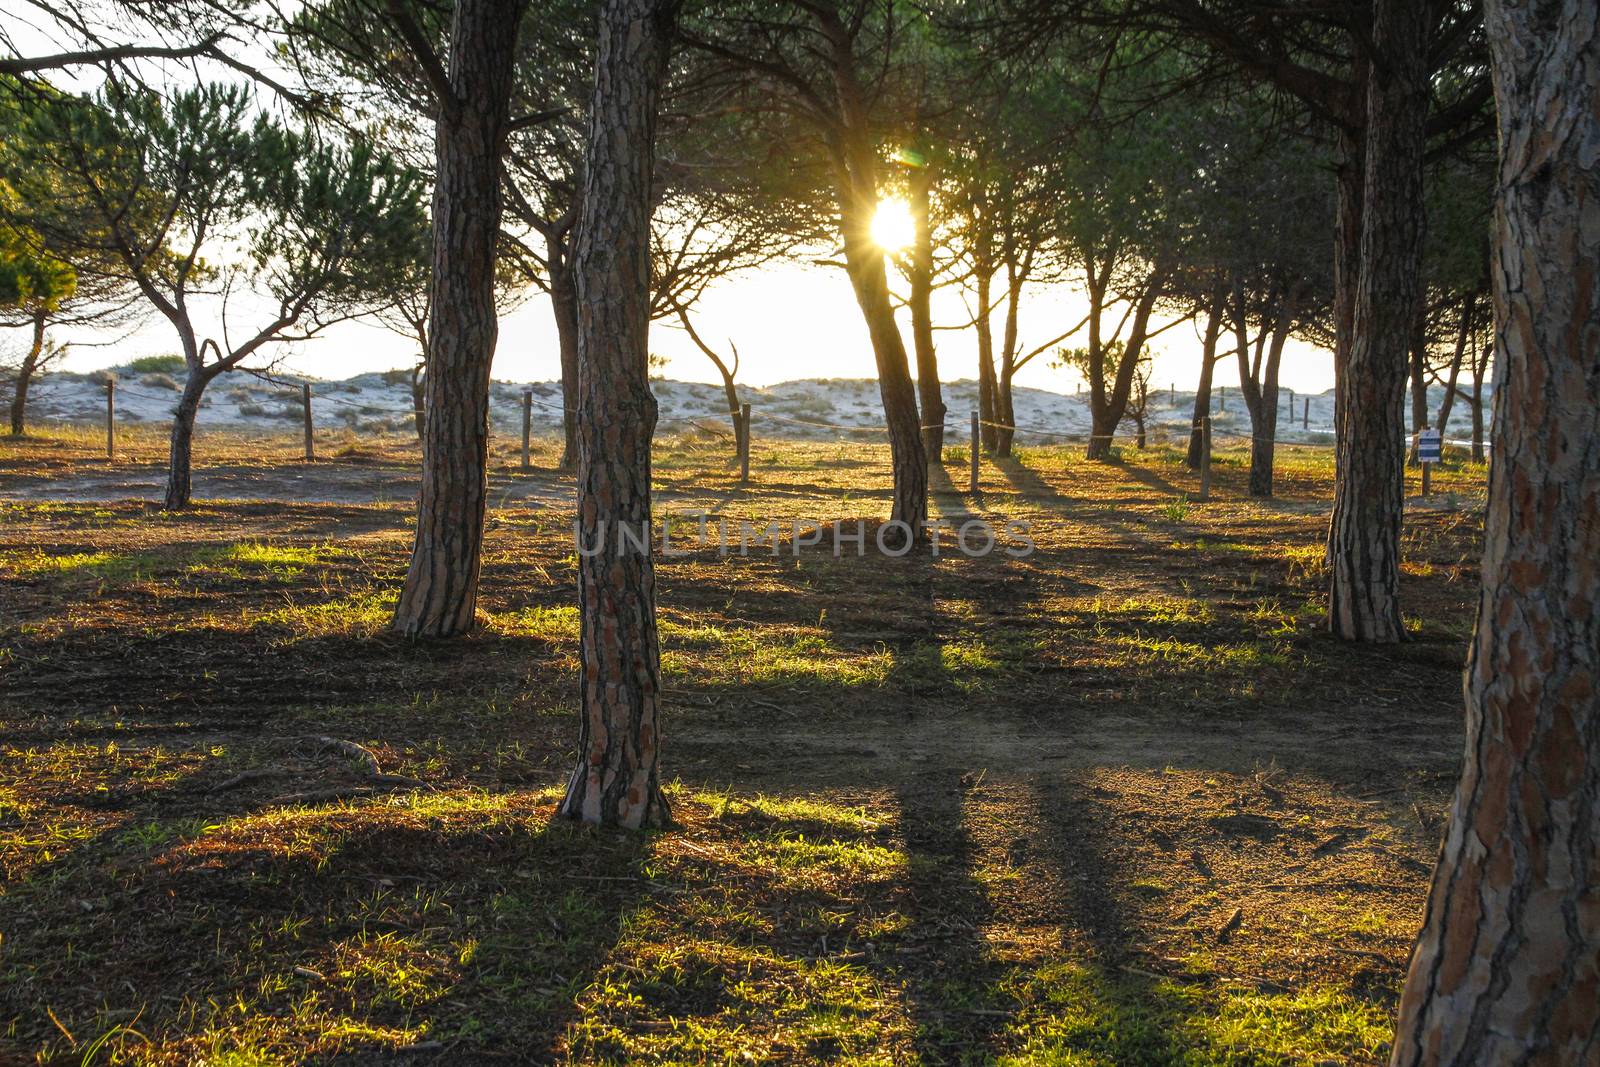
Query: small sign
[1429,445]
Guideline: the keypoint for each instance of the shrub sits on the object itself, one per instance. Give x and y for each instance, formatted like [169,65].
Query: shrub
[158,365]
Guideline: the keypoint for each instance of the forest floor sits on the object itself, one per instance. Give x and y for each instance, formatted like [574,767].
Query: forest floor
[1120,802]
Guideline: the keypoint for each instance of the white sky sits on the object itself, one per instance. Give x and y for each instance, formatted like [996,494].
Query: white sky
[790,320]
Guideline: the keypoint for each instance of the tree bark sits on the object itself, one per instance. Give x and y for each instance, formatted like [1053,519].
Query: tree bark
[1106,411]
[617,779]
[1005,410]
[419,401]
[1480,367]
[1469,305]
[30,363]
[929,395]
[1419,381]
[440,594]
[1202,392]
[988,408]
[564,305]
[180,450]
[1364,533]
[1507,967]
[853,145]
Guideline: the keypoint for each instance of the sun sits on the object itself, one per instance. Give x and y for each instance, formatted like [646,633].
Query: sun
[893,228]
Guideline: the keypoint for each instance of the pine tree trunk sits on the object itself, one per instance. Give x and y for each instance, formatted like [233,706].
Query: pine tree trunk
[988,406]
[440,594]
[30,363]
[1507,968]
[180,451]
[1202,392]
[1463,335]
[1350,190]
[1364,533]
[1006,412]
[1107,410]
[564,304]
[419,402]
[617,781]
[1478,371]
[929,395]
[1264,426]
[1419,382]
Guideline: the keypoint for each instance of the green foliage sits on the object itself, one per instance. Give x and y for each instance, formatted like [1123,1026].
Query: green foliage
[199,186]
[157,365]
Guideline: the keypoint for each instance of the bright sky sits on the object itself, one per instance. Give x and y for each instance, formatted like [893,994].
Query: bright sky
[789,321]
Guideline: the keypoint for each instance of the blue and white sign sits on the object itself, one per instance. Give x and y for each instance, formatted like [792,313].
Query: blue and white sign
[1429,445]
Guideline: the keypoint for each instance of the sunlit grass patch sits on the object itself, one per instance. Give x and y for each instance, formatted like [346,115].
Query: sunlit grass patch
[357,615]
[1144,650]
[554,624]
[276,560]
[111,566]
[797,657]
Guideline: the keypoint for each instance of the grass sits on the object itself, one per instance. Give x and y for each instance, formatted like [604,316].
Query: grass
[936,810]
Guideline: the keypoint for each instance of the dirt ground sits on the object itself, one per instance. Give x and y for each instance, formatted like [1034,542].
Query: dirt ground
[1118,802]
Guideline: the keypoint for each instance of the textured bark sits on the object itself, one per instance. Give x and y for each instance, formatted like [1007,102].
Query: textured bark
[1260,388]
[1463,335]
[180,449]
[929,395]
[440,594]
[30,363]
[1202,392]
[1005,411]
[1350,173]
[1107,409]
[1364,533]
[988,411]
[617,781]
[1480,368]
[853,145]
[564,305]
[419,402]
[1507,969]
[1419,381]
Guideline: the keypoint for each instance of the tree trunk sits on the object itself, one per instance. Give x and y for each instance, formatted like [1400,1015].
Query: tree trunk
[180,453]
[1202,392]
[30,363]
[1469,305]
[929,396]
[440,594]
[1419,381]
[1479,370]
[1350,169]
[988,401]
[1507,967]
[1264,429]
[1005,411]
[419,402]
[1364,533]
[564,304]
[617,780]
[1106,412]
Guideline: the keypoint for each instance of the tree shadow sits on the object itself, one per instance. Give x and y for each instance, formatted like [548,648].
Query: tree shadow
[461,925]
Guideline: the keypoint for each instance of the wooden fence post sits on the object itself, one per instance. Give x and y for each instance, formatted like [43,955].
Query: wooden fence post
[1205,458]
[1222,398]
[1291,405]
[111,417]
[744,444]
[972,481]
[527,427]
[1305,415]
[305,408]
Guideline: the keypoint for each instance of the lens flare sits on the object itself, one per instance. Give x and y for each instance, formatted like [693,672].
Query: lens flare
[893,228]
